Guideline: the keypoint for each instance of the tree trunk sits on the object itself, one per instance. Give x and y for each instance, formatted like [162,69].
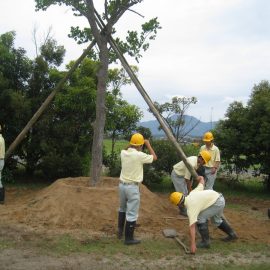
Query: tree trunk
[97,159]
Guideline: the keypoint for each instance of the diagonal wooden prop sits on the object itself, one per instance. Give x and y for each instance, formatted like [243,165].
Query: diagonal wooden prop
[147,99]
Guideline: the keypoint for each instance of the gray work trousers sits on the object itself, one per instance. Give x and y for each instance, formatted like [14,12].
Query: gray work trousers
[2,162]
[129,196]
[179,183]
[215,212]
[210,178]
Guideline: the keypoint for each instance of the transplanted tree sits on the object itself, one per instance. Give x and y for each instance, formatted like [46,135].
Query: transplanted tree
[173,113]
[113,11]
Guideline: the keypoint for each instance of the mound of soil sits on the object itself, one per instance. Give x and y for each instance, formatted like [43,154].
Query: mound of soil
[71,204]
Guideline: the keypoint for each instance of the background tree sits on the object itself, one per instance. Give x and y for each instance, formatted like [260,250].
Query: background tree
[121,117]
[259,128]
[231,135]
[67,127]
[15,71]
[173,113]
[244,136]
[58,145]
[146,132]
[113,10]
[44,77]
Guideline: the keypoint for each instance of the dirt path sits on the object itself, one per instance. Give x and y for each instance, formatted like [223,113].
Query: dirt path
[15,259]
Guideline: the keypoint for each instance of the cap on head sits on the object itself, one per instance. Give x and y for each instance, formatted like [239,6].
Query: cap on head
[205,155]
[137,139]
[176,198]
[208,137]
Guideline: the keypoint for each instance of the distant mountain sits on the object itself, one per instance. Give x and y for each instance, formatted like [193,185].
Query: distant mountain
[190,121]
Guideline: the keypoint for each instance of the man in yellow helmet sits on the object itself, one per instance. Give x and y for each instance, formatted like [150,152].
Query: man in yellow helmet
[212,166]
[181,176]
[2,162]
[201,205]
[132,160]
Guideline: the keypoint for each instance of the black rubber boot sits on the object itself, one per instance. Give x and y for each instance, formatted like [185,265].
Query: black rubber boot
[225,227]
[204,232]
[2,195]
[121,223]
[129,233]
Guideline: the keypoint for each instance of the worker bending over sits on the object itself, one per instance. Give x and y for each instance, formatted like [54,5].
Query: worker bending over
[181,177]
[201,205]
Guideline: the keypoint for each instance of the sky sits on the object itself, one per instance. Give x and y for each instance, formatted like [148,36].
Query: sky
[214,50]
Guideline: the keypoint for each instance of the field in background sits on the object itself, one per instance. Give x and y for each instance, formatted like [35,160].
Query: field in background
[120,145]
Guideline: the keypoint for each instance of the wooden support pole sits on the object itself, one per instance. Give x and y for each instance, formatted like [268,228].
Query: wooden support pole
[148,100]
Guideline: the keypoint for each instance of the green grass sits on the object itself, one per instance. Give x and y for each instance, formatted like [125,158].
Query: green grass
[119,145]
[148,249]
[165,186]
[251,188]
[67,244]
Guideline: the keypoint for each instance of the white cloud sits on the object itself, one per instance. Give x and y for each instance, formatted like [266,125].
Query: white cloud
[215,50]
[232,99]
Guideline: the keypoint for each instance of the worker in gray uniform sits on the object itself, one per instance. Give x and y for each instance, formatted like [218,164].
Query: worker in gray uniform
[132,161]
[201,205]
[2,163]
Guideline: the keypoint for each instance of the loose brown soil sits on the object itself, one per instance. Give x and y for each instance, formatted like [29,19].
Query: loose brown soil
[71,205]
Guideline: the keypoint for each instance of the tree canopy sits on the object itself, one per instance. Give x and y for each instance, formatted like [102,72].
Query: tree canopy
[58,145]
[243,136]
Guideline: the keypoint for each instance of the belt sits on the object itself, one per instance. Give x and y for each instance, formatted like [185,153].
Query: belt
[129,183]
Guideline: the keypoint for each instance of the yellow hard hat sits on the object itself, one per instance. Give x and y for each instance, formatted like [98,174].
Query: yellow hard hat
[205,155]
[176,197]
[208,137]
[137,139]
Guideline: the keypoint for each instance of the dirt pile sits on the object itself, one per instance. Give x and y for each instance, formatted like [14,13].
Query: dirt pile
[71,204]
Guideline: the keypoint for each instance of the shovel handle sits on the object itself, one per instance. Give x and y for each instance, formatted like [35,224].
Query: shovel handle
[182,244]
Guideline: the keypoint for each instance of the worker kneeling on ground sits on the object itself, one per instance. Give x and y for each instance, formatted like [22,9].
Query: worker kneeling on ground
[201,205]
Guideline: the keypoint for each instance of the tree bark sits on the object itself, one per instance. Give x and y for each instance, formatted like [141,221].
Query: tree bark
[97,147]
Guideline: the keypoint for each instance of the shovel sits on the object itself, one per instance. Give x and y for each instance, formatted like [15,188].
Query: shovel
[172,233]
